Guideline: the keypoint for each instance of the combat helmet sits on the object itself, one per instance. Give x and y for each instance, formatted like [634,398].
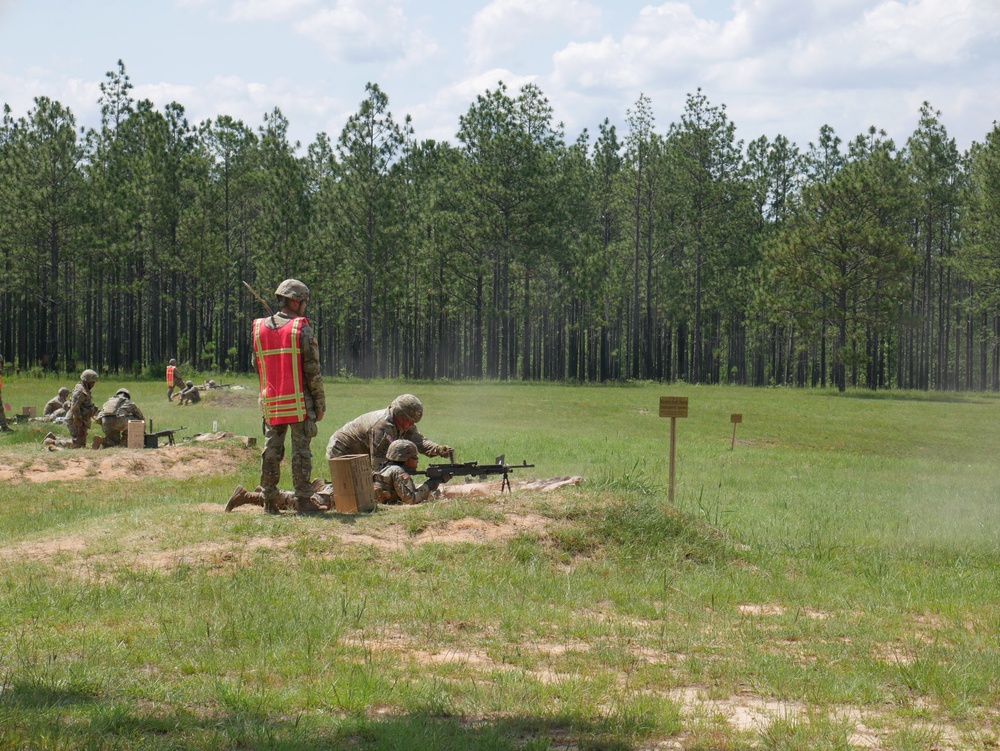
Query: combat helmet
[189,384]
[89,376]
[124,392]
[172,361]
[401,450]
[64,392]
[408,406]
[293,289]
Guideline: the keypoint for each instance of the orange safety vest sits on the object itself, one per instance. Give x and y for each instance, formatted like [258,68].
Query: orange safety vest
[279,367]
[170,374]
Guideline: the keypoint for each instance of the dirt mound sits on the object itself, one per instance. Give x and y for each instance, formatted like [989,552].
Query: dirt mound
[227,398]
[177,462]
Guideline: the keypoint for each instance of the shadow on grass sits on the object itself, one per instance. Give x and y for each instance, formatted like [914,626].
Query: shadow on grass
[120,725]
[40,695]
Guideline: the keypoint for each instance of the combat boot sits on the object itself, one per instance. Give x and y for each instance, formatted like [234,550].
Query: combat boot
[241,497]
[310,506]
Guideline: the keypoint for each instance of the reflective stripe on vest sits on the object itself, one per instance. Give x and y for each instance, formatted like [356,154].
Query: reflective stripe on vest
[279,368]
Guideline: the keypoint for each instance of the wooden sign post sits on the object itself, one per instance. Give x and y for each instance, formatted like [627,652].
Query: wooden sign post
[673,407]
[736,418]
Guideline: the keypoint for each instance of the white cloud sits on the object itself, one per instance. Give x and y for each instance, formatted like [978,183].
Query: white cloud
[359,31]
[267,10]
[506,25]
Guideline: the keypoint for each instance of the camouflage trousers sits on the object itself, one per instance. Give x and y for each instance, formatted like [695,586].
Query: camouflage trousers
[113,438]
[79,433]
[274,451]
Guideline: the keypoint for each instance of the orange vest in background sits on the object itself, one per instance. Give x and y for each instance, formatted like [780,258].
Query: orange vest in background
[279,368]
[170,374]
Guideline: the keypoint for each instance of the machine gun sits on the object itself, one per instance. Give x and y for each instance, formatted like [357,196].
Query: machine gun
[152,439]
[473,469]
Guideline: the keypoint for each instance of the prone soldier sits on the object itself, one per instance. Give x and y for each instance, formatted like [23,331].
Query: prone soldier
[393,483]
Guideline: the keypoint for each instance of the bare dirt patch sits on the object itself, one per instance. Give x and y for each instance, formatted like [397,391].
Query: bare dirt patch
[230,398]
[467,530]
[178,462]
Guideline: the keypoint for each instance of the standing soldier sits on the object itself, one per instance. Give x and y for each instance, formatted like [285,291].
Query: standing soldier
[4,427]
[291,397]
[172,379]
[81,411]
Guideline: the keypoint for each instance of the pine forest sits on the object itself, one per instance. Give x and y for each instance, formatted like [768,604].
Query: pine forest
[646,253]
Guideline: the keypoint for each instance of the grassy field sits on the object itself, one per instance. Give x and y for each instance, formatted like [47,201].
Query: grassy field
[829,583]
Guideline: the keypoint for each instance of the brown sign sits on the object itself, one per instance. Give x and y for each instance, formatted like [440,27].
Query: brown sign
[735,418]
[673,406]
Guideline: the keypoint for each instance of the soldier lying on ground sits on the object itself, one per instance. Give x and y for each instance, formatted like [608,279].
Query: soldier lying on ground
[114,416]
[393,483]
[322,498]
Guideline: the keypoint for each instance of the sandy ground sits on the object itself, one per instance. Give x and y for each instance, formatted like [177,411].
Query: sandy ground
[180,462]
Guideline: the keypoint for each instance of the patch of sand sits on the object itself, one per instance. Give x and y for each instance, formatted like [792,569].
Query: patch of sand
[177,462]
[467,530]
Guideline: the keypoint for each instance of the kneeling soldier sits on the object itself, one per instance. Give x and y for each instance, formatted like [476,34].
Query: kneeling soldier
[393,483]
[115,415]
[190,394]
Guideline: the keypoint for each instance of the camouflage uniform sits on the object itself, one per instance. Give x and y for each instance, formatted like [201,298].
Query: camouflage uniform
[114,417]
[81,411]
[371,434]
[57,406]
[190,395]
[393,484]
[302,432]
[175,381]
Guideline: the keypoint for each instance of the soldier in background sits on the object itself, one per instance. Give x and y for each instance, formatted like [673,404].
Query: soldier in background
[292,399]
[393,483]
[4,427]
[190,394]
[81,412]
[58,405]
[115,414]
[372,432]
[173,379]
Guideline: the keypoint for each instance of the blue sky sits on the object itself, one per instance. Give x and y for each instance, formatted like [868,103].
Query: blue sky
[780,66]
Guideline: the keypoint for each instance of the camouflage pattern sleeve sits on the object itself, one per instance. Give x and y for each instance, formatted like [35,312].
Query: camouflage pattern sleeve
[406,491]
[380,435]
[82,407]
[424,445]
[312,376]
